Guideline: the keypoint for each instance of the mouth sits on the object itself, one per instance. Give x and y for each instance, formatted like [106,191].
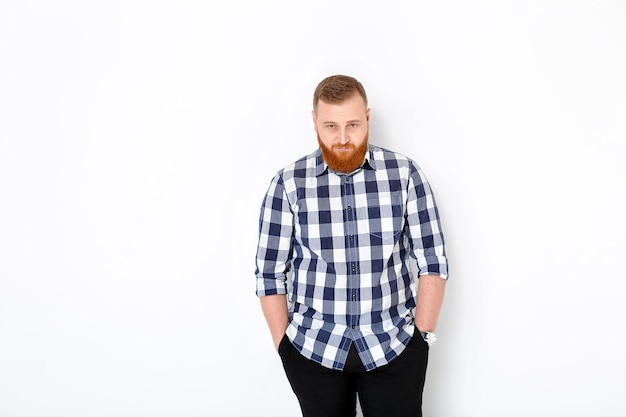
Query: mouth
[343,148]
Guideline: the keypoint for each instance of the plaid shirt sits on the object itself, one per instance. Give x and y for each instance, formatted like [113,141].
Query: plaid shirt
[340,245]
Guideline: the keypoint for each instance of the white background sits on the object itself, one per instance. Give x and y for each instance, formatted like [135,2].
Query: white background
[137,139]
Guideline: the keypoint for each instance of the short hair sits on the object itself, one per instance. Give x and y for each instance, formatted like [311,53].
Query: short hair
[336,89]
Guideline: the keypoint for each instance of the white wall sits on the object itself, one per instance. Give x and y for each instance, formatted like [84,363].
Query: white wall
[137,139]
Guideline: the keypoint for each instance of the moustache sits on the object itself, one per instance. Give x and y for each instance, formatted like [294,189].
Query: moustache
[346,146]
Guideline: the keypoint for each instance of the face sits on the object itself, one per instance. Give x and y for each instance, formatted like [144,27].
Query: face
[342,132]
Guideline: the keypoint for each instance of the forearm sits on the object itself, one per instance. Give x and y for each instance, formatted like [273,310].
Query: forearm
[276,315]
[430,291]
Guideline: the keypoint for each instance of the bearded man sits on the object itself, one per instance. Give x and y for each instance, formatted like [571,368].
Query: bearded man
[339,230]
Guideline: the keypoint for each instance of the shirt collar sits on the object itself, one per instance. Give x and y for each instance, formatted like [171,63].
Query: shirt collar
[321,167]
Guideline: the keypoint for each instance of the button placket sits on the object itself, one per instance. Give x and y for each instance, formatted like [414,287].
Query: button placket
[351,250]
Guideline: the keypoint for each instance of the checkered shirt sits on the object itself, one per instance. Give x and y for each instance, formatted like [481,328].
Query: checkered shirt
[341,245]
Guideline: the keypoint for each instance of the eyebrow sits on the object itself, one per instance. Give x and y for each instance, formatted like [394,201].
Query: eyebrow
[348,122]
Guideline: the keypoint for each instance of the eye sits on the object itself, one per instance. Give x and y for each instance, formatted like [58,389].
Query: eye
[330,126]
[354,124]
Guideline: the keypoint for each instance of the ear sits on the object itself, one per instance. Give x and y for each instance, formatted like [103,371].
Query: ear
[367,116]
[314,120]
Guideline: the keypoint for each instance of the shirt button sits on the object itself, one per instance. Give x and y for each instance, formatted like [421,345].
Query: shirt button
[353,326]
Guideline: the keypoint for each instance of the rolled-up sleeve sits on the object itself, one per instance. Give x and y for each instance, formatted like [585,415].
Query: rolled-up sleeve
[425,233]
[274,250]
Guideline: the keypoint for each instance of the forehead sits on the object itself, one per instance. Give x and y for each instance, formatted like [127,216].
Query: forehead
[349,109]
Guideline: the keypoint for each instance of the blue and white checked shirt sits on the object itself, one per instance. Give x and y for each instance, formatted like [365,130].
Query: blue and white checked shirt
[340,245]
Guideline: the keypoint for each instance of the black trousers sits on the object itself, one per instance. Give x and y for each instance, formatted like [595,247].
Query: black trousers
[392,390]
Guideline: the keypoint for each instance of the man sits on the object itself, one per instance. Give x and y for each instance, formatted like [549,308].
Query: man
[339,229]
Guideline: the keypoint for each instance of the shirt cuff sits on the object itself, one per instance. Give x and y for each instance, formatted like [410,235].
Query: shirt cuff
[270,286]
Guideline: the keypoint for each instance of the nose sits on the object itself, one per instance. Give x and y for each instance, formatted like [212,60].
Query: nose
[343,137]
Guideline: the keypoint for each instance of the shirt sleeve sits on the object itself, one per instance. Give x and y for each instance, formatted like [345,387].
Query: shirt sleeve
[275,248]
[425,234]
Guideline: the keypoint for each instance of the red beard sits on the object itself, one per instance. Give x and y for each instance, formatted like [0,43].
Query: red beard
[343,162]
